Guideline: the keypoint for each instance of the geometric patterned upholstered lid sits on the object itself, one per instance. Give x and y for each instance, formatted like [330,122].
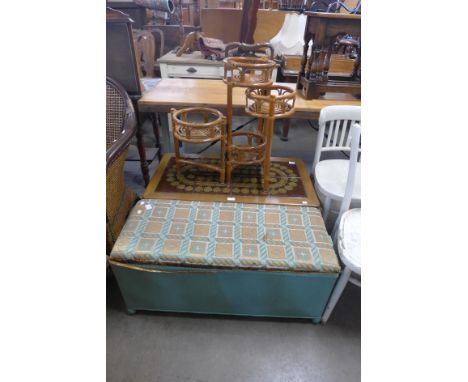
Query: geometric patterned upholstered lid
[226,235]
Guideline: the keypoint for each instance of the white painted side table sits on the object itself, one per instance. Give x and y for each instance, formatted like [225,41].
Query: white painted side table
[192,65]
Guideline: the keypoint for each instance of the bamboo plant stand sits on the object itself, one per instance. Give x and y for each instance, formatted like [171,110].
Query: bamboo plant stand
[264,101]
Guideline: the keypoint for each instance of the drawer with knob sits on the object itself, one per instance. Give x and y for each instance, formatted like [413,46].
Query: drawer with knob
[195,71]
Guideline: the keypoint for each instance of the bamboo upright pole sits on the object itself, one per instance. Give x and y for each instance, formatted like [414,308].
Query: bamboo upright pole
[270,120]
[229,127]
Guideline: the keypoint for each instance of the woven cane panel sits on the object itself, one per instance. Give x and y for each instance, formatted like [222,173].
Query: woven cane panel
[226,235]
[188,133]
[115,114]
[119,199]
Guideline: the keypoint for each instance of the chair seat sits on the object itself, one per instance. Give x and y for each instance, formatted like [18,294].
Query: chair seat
[349,239]
[331,176]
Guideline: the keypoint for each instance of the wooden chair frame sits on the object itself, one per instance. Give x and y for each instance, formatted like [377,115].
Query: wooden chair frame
[194,132]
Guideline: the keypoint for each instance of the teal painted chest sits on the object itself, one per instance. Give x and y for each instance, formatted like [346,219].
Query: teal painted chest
[225,258]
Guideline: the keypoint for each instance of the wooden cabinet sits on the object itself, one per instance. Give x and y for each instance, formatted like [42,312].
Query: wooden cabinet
[328,30]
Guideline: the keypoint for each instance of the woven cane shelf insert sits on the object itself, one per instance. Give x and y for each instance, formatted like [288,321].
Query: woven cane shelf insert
[247,148]
[248,71]
[260,100]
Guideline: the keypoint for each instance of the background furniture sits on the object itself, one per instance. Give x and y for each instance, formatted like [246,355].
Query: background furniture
[330,175]
[192,65]
[171,35]
[129,7]
[121,61]
[145,51]
[347,232]
[225,258]
[123,66]
[324,29]
[179,93]
[189,65]
[120,128]
[240,49]
[225,24]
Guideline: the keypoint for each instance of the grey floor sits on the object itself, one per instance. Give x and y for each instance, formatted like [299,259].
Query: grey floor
[162,347]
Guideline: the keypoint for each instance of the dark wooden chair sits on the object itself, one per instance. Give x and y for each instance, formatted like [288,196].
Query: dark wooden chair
[121,126]
[145,50]
[123,66]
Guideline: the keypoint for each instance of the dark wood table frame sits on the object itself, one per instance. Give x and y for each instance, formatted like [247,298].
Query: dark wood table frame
[323,29]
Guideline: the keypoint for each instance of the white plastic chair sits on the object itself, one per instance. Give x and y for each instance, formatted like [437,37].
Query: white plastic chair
[330,175]
[347,232]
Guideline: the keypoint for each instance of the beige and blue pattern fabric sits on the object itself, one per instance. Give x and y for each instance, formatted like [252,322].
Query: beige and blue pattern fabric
[226,235]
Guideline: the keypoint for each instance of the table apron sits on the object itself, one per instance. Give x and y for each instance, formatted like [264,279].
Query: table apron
[240,111]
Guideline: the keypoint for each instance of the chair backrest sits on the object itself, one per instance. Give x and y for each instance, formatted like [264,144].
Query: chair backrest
[334,129]
[145,52]
[145,49]
[121,61]
[355,134]
[120,119]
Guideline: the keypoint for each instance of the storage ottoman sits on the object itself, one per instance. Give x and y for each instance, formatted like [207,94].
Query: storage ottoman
[225,258]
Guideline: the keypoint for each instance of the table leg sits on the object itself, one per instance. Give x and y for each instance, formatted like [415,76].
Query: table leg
[154,117]
[266,162]
[305,51]
[141,151]
[284,136]
[166,133]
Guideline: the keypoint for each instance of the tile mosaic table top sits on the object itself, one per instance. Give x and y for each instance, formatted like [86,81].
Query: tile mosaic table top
[226,235]
[290,183]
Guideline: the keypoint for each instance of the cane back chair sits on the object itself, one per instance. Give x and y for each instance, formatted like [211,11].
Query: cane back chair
[120,128]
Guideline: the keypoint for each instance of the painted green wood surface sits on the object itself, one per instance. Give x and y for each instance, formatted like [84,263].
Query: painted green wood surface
[236,292]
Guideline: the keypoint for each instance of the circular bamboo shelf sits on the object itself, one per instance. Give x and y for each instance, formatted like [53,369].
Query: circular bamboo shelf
[275,101]
[249,152]
[248,71]
[211,129]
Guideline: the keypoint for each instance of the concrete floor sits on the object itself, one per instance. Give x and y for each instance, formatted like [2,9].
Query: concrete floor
[163,347]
